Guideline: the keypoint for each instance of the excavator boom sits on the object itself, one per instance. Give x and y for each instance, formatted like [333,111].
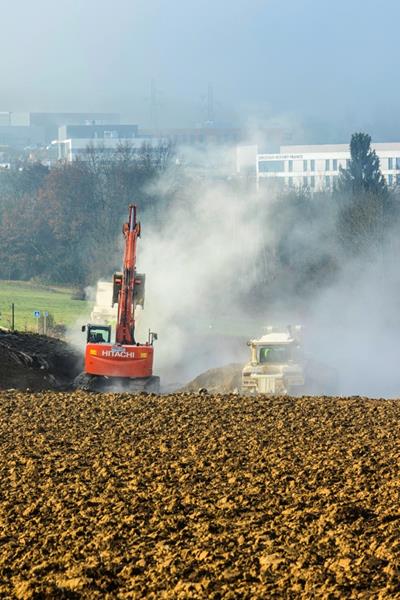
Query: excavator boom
[125,332]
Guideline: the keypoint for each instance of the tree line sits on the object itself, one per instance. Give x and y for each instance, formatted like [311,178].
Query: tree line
[60,225]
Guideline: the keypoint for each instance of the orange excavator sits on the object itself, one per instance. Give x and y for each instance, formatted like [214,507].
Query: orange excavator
[126,364]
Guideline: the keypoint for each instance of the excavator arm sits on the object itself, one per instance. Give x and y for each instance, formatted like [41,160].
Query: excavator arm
[125,330]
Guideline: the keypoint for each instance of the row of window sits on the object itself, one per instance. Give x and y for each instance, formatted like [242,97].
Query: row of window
[278,166]
[310,181]
[309,165]
[393,179]
[393,163]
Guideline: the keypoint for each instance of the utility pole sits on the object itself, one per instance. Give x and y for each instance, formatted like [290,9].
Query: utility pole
[12,317]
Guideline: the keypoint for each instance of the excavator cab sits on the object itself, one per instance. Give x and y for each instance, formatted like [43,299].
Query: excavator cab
[97,334]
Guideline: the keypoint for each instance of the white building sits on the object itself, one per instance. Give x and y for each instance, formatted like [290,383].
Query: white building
[74,140]
[315,166]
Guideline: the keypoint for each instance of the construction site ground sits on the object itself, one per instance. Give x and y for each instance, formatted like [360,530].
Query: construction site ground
[198,496]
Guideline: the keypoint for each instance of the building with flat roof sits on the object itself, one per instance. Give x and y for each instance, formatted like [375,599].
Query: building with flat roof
[314,166]
[21,130]
[74,140]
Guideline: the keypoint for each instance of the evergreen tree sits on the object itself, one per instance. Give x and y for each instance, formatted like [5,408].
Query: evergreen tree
[363,173]
[366,209]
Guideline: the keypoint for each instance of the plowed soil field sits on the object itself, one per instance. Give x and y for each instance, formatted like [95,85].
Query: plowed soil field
[198,496]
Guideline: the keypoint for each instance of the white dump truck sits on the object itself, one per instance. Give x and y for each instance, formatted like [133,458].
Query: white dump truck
[277,364]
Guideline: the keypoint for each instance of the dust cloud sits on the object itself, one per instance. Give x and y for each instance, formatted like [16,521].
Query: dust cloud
[197,264]
[210,252]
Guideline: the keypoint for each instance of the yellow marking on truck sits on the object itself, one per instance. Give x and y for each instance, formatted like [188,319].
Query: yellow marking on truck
[93,351]
[143,355]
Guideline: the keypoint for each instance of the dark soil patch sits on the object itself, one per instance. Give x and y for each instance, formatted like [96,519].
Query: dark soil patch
[36,362]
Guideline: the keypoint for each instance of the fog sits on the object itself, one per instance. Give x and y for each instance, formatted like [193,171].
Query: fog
[331,68]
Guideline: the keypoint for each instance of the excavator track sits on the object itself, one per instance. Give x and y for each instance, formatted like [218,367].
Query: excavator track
[138,385]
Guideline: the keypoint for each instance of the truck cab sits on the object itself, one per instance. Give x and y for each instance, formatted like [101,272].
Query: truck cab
[276,363]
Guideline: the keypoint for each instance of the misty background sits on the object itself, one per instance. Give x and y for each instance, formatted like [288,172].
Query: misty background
[327,69]
[222,257]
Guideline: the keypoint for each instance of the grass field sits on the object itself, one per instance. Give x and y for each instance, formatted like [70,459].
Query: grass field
[29,297]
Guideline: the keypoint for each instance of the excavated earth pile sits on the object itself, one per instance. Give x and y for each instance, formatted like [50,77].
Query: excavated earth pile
[198,496]
[221,380]
[36,361]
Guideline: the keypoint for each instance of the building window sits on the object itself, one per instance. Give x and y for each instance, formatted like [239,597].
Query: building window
[289,181]
[312,165]
[290,165]
[327,181]
[347,163]
[390,179]
[334,168]
[271,166]
[305,182]
[390,164]
[327,165]
[305,165]
[397,179]
[397,163]
[312,181]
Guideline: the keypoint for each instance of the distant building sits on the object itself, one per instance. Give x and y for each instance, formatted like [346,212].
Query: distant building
[20,130]
[74,140]
[50,122]
[314,166]
[19,137]
[197,136]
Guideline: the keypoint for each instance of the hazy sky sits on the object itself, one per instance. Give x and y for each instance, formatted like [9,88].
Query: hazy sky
[328,65]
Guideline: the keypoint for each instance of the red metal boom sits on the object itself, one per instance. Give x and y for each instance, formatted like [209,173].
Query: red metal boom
[125,330]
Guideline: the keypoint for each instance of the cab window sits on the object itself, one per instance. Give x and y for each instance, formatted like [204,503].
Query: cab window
[274,354]
[99,336]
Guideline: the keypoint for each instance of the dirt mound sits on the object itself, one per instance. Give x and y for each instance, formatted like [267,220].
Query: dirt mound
[220,380]
[320,379]
[36,362]
[190,496]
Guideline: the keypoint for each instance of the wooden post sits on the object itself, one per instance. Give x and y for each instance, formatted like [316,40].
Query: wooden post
[12,317]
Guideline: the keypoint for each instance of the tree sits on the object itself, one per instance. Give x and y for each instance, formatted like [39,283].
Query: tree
[363,173]
[366,208]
